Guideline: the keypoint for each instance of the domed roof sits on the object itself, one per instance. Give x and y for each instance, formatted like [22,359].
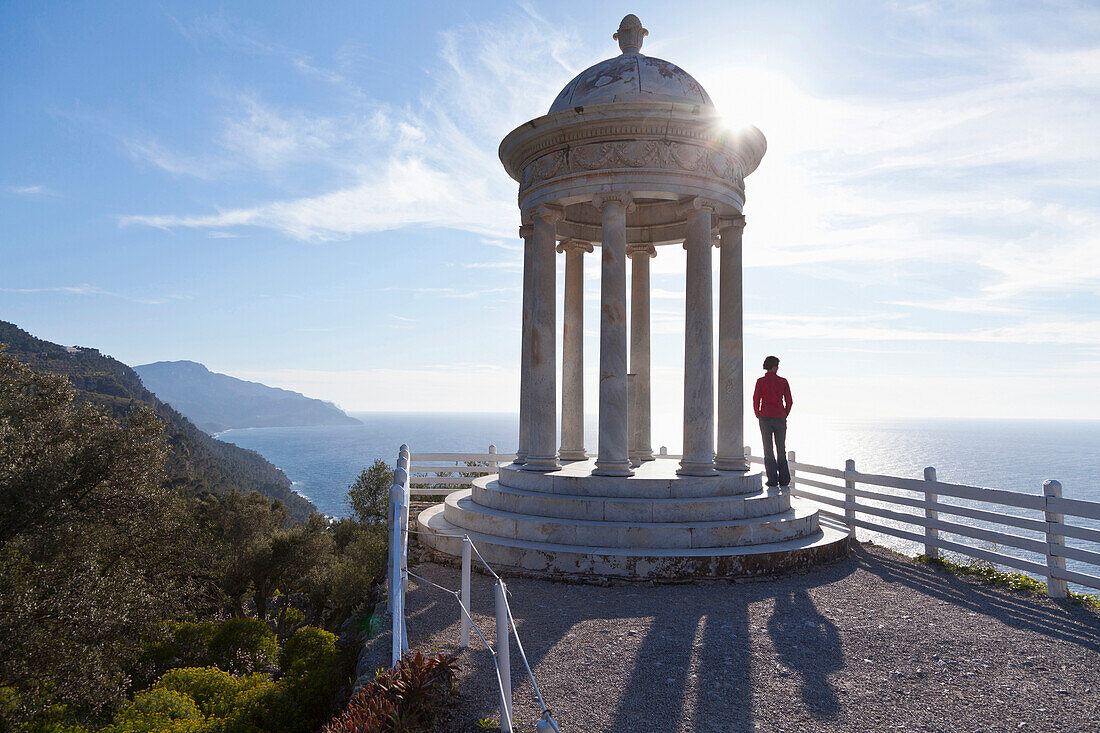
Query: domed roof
[631,77]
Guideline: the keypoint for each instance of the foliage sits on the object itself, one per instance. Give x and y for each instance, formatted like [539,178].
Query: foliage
[237,646]
[989,573]
[96,553]
[407,698]
[196,462]
[93,551]
[369,496]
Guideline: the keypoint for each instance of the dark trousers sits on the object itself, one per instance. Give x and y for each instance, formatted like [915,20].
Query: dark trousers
[774,432]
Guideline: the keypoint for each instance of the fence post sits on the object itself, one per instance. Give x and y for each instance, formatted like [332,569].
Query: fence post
[493,450]
[397,595]
[931,514]
[791,460]
[465,592]
[401,475]
[502,659]
[1056,587]
[849,497]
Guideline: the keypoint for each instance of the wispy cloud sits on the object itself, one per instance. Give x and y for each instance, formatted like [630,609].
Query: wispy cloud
[29,191]
[432,164]
[452,292]
[89,290]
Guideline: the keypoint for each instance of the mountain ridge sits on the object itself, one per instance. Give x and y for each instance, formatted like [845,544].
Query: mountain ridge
[197,463]
[217,402]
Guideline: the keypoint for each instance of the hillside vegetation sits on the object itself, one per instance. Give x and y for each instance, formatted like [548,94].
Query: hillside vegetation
[196,462]
[129,607]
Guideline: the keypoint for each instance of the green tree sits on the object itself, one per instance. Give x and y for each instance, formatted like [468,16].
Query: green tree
[93,550]
[369,496]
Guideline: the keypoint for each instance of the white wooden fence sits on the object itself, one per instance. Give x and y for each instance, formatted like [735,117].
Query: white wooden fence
[911,511]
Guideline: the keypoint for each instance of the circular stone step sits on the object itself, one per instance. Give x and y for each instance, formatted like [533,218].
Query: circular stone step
[489,492]
[652,480]
[462,511]
[444,540]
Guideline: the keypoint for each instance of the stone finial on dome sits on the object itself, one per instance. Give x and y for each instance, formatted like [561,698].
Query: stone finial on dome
[630,34]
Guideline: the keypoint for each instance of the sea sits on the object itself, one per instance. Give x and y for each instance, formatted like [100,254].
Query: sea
[1016,455]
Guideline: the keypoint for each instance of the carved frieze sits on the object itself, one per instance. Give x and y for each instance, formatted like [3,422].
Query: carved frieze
[652,154]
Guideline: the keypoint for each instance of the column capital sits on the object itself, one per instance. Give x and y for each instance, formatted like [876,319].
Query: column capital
[547,212]
[732,221]
[569,245]
[622,197]
[637,249]
[696,203]
[526,230]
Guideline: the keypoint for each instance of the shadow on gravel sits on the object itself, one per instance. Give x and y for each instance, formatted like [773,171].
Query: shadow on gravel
[810,645]
[1064,622]
[708,647]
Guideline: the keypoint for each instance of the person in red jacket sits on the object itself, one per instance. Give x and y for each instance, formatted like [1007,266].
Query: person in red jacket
[771,400]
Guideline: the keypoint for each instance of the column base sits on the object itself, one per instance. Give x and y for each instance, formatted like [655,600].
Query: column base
[612,468]
[572,454]
[731,464]
[642,456]
[542,464]
[521,457]
[693,468]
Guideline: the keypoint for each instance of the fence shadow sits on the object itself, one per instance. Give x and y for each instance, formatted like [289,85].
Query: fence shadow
[1058,620]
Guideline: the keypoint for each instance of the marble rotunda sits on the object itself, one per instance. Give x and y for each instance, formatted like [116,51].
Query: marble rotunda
[632,156]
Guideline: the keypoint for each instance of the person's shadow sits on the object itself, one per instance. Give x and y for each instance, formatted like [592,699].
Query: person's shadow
[809,645]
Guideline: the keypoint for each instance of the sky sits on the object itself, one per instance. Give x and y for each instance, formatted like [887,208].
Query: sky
[309,194]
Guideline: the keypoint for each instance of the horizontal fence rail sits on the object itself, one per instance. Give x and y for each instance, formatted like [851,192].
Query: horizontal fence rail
[1042,515]
[916,510]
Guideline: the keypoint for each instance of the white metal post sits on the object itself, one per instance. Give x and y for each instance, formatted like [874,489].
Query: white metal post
[849,497]
[493,464]
[396,595]
[1056,587]
[931,534]
[502,659]
[748,451]
[464,594]
[790,465]
[402,476]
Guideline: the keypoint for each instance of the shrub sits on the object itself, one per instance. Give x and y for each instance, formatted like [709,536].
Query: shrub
[300,702]
[310,650]
[407,698]
[213,690]
[243,645]
[159,709]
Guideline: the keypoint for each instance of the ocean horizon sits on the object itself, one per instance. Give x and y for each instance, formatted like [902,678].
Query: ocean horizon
[1016,455]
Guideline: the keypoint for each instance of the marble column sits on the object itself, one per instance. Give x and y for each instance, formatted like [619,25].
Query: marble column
[698,457]
[527,233]
[613,458]
[640,420]
[731,388]
[542,448]
[572,353]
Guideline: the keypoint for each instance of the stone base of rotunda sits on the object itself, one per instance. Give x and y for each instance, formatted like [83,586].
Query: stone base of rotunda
[654,525]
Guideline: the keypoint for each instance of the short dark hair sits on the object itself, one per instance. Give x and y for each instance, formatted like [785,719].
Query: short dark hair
[771,362]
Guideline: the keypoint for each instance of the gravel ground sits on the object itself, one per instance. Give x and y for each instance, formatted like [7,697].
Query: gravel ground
[877,642]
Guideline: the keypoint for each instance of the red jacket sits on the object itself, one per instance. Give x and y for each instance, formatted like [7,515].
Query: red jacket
[772,396]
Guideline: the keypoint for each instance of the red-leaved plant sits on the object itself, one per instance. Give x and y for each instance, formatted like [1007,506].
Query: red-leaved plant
[406,699]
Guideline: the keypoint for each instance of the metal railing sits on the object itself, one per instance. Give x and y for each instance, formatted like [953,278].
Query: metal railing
[398,581]
[996,513]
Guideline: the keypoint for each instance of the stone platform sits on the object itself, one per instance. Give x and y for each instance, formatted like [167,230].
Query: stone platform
[653,525]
